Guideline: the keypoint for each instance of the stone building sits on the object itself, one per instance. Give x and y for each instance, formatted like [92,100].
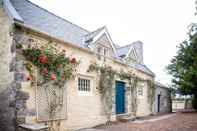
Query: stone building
[162,103]
[25,24]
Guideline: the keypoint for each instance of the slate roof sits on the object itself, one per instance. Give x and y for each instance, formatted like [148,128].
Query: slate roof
[37,18]
[144,69]
[123,50]
[160,85]
[12,13]
[92,34]
[40,19]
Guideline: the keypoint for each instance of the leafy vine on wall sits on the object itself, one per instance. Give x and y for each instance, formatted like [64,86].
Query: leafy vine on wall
[134,96]
[106,83]
[132,81]
[151,93]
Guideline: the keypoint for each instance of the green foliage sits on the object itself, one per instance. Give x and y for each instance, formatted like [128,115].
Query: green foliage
[106,84]
[53,68]
[107,70]
[133,89]
[183,67]
[151,93]
[52,65]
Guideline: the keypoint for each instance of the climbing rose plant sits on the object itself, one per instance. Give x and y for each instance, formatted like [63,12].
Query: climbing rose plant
[52,65]
[46,66]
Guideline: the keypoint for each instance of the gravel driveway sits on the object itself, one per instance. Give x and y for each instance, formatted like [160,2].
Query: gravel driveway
[175,122]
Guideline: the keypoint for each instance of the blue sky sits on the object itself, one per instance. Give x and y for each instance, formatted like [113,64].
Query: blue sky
[160,24]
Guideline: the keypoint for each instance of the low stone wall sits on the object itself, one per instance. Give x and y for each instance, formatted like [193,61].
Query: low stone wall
[178,105]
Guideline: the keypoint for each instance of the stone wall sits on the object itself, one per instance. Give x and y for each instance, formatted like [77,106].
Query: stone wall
[6,77]
[12,98]
[143,107]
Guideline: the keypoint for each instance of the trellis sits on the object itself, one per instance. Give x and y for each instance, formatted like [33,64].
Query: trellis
[50,101]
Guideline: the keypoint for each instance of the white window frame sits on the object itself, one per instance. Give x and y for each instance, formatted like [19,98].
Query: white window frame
[106,52]
[102,52]
[140,89]
[99,52]
[90,78]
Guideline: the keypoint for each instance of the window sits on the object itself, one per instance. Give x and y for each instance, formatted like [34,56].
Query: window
[140,91]
[102,52]
[84,85]
[105,52]
[99,51]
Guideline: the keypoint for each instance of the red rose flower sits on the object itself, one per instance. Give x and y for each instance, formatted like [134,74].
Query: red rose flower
[53,76]
[43,59]
[73,61]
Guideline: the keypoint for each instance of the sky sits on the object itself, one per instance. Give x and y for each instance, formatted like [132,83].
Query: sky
[160,24]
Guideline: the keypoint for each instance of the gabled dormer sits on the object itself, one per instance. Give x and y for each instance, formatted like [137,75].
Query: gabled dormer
[101,43]
[132,53]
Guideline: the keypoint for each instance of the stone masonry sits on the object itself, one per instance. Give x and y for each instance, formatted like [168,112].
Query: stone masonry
[13,100]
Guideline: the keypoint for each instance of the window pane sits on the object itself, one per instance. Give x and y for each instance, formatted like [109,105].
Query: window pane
[83,85]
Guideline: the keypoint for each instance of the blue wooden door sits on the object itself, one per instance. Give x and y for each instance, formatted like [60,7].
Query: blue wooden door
[120,97]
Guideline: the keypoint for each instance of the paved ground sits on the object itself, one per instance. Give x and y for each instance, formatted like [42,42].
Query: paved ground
[173,122]
[153,119]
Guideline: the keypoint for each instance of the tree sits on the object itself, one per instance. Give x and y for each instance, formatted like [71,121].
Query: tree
[183,66]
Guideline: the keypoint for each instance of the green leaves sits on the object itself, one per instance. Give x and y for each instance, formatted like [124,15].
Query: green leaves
[52,65]
[183,66]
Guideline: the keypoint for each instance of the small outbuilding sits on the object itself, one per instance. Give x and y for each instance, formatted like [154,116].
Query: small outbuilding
[162,102]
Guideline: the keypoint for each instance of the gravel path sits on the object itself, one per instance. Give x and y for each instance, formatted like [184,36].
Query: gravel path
[173,122]
[154,119]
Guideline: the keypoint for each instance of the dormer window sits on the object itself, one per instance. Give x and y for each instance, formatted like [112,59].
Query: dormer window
[102,52]
[99,51]
[106,53]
